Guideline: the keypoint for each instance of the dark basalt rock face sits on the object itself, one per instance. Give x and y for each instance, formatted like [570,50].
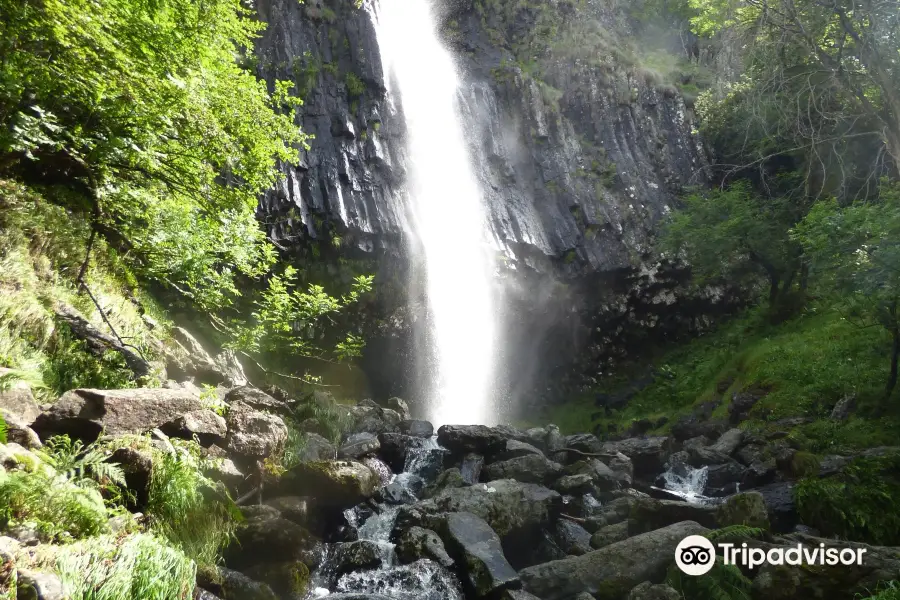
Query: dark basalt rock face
[577,171]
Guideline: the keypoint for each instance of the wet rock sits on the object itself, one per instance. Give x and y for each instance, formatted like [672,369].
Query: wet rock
[17,400]
[622,466]
[750,454]
[84,413]
[417,543]
[18,431]
[701,456]
[723,479]
[39,585]
[609,534]
[571,538]
[610,572]
[422,429]
[648,455]
[779,499]
[334,484]
[374,419]
[728,442]
[648,514]
[477,550]
[583,442]
[398,492]
[463,439]
[266,538]
[209,427]
[393,449]
[358,445]
[378,466]
[471,468]
[317,447]
[518,595]
[603,477]
[401,408]
[748,508]
[571,485]
[257,400]
[357,556]
[292,508]
[233,585]
[531,468]
[649,591]
[515,449]
[449,479]
[287,578]
[252,433]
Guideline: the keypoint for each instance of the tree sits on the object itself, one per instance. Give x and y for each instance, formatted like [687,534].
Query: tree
[855,252]
[738,235]
[137,114]
[819,75]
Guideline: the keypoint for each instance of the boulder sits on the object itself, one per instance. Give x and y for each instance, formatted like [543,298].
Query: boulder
[609,573]
[704,456]
[515,449]
[400,407]
[268,537]
[17,400]
[449,479]
[603,477]
[359,445]
[233,585]
[356,556]
[571,485]
[531,468]
[571,538]
[393,449]
[609,534]
[649,591]
[748,508]
[471,468]
[334,484]
[316,447]
[256,399]
[519,595]
[417,543]
[209,427]
[728,442]
[422,429]
[288,579]
[252,433]
[723,480]
[224,470]
[138,467]
[39,585]
[18,431]
[373,419]
[292,508]
[690,426]
[779,499]
[462,439]
[648,514]
[742,403]
[583,442]
[479,554]
[84,413]
[190,359]
[648,455]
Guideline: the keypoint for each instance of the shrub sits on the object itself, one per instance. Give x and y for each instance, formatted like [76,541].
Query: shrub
[135,567]
[355,85]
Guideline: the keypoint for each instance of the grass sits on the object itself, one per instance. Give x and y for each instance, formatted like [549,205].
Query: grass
[139,566]
[889,590]
[806,364]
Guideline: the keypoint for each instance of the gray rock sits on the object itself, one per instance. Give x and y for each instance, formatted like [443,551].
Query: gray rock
[334,484]
[264,537]
[232,585]
[648,514]
[603,477]
[293,508]
[417,543]
[414,428]
[571,538]
[224,470]
[288,579]
[18,401]
[471,468]
[253,433]
[18,431]
[742,403]
[400,406]
[779,499]
[723,479]
[728,442]
[844,407]
[462,439]
[748,508]
[477,550]
[648,591]
[85,413]
[648,455]
[609,534]
[571,485]
[39,585]
[359,445]
[449,479]
[519,595]
[316,447]
[515,449]
[610,572]
[531,468]
[138,467]
[356,556]
[209,427]
[256,399]
[585,442]
[700,456]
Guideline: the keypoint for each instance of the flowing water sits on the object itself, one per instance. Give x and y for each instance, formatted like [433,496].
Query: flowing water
[447,212]
[420,580]
[689,483]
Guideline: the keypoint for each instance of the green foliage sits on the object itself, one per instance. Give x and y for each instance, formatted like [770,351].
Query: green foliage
[59,508]
[889,590]
[143,111]
[737,235]
[3,429]
[355,85]
[192,512]
[86,466]
[735,532]
[135,567]
[72,365]
[723,582]
[860,503]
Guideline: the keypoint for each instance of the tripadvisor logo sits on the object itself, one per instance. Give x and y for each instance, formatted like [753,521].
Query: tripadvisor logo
[695,555]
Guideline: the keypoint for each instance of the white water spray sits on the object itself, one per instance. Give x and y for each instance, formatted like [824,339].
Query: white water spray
[448,212]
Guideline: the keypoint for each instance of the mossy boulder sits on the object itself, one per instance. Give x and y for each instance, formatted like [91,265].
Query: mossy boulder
[747,508]
[288,578]
[335,485]
[610,534]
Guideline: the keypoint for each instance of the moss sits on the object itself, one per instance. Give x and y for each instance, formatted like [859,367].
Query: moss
[355,85]
[743,509]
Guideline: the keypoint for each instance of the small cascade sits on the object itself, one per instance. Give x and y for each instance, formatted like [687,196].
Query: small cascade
[689,483]
[420,580]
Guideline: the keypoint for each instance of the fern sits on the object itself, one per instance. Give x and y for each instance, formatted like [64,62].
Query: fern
[83,465]
[723,582]
[3,429]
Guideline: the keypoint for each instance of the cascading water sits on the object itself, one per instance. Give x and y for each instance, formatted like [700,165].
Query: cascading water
[447,212]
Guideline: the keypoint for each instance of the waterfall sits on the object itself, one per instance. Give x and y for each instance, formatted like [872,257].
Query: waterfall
[447,212]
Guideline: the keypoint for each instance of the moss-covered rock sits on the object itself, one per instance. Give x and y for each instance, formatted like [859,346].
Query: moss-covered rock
[748,508]
[336,485]
[288,578]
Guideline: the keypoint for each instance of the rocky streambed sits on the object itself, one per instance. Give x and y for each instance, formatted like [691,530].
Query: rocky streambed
[400,511]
